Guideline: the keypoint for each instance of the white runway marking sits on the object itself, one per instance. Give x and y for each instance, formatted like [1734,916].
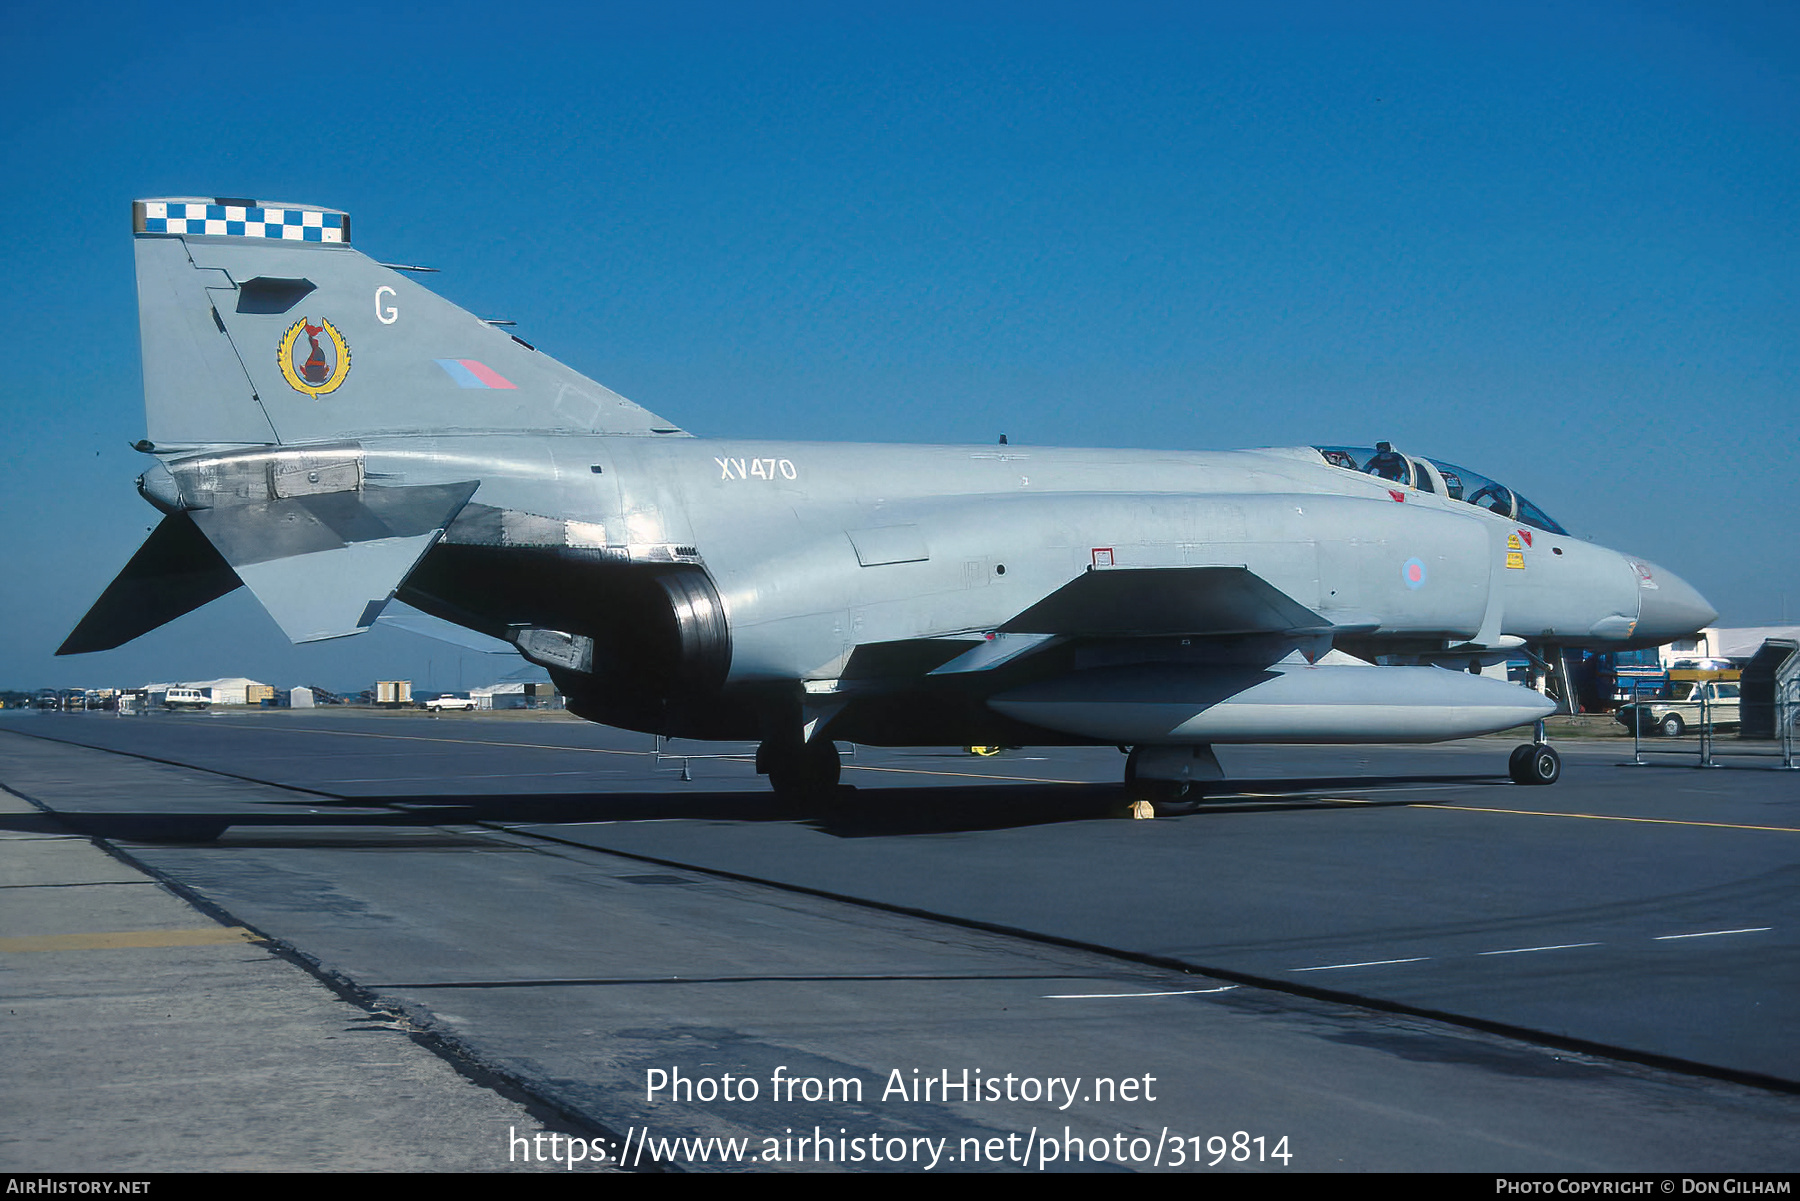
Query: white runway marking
[1561,946]
[1107,996]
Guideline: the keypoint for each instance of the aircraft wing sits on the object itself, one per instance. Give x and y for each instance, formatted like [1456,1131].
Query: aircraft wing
[1146,602]
[1116,603]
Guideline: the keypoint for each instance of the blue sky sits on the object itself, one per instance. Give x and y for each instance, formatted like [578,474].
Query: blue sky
[1555,243]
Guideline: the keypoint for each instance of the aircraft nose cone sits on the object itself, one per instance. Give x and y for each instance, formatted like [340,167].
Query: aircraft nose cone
[1668,606]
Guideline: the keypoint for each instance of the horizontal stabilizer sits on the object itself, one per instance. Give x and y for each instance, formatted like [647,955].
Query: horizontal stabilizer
[174,572]
[325,565]
[427,626]
[1147,602]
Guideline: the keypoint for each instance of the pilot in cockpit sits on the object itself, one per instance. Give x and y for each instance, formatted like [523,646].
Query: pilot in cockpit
[1388,463]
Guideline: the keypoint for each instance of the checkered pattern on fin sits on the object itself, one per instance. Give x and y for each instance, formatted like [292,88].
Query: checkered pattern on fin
[240,221]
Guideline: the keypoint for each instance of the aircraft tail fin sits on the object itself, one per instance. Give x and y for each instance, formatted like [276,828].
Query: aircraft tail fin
[261,324]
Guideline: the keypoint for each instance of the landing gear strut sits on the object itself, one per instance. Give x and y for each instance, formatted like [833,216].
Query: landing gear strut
[1535,762]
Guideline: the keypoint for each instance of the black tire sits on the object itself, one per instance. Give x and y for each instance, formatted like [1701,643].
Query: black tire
[1672,726]
[802,771]
[1170,798]
[1179,804]
[1516,765]
[1544,766]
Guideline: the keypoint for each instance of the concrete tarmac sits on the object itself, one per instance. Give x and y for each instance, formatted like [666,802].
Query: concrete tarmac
[145,1035]
[544,907]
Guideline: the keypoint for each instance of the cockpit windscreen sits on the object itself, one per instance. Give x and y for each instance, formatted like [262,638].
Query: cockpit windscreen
[1435,475]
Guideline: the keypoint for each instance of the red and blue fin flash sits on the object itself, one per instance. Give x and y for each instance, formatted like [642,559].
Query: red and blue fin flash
[468,373]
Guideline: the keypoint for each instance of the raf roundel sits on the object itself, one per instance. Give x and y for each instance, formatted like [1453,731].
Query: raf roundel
[314,367]
[1413,573]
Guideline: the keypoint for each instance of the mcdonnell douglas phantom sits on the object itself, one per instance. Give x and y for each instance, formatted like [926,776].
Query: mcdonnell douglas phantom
[332,435]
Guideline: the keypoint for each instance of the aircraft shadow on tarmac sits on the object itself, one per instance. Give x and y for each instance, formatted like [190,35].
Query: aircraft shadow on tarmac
[852,813]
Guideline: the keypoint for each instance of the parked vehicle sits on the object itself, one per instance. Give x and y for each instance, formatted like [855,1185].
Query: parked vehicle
[449,702]
[1631,684]
[1691,702]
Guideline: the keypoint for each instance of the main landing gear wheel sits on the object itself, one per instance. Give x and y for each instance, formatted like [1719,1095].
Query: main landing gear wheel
[1170,798]
[1176,800]
[1534,763]
[801,771]
[1515,763]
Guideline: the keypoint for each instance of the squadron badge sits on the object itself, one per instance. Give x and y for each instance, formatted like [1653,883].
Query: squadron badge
[314,367]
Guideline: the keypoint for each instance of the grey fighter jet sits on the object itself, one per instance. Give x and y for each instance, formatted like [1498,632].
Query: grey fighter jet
[332,435]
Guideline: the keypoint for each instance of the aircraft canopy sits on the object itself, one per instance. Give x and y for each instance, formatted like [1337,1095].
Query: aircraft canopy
[1435,475]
